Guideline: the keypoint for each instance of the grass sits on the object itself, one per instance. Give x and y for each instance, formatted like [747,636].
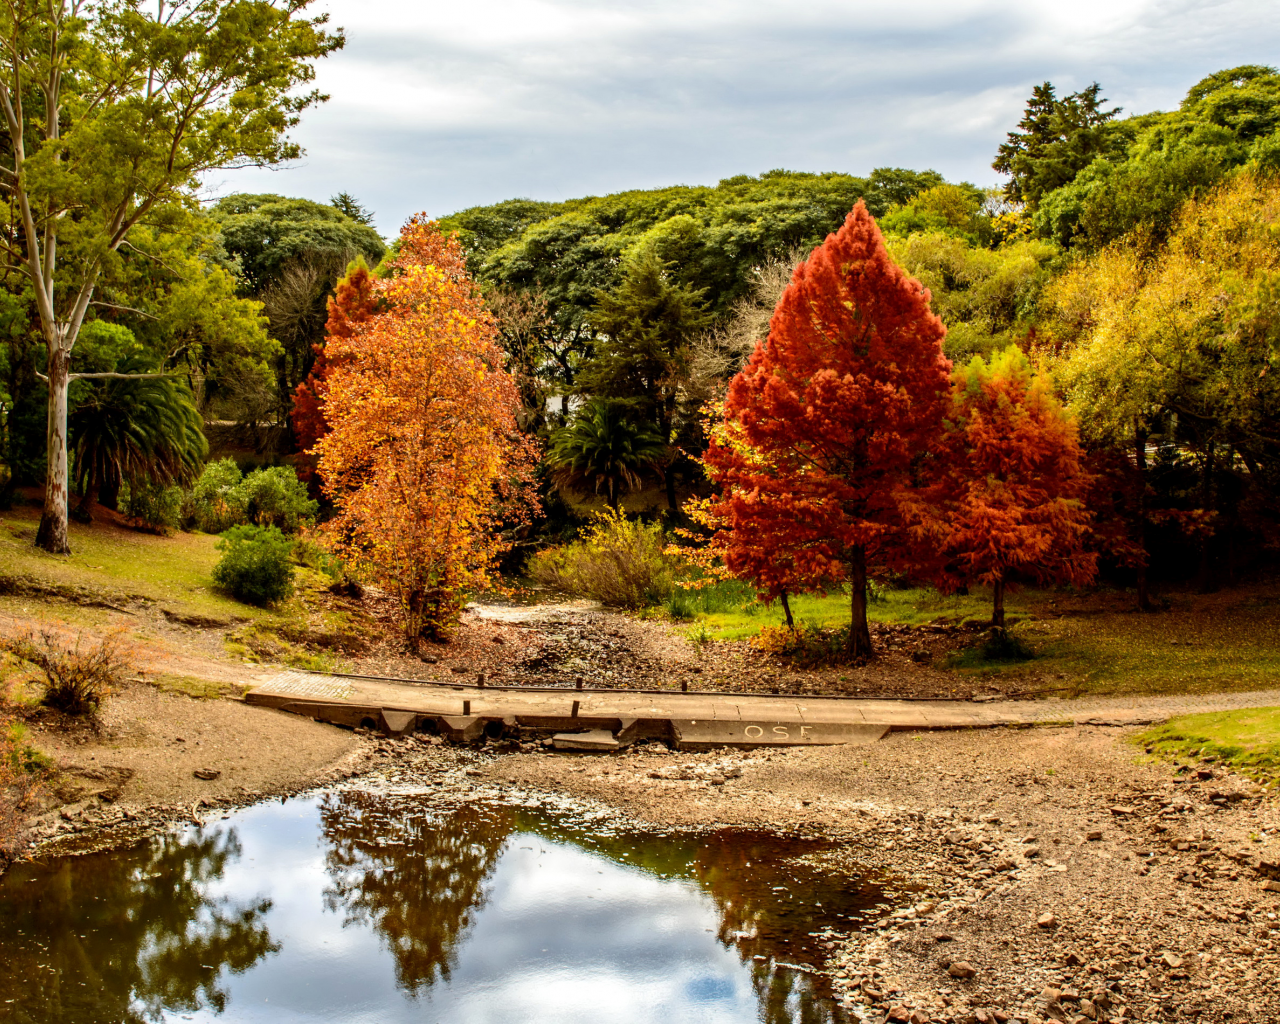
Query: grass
[914,606]
[1246,741]
[121,564]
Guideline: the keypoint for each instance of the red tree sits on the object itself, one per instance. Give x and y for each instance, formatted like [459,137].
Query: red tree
[354,301]
[1007,504]
[823,424]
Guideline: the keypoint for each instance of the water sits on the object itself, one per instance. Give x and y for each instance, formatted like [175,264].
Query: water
[360,907]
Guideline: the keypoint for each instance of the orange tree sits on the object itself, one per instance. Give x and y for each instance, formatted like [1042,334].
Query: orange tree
[422,460]
[823,425]
[1007,501]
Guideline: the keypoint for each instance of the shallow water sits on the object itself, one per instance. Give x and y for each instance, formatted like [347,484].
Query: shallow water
[362,907]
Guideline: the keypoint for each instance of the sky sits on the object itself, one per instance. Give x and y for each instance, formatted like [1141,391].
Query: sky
[439,106]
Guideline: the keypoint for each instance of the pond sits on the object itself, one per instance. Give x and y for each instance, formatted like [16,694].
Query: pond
[361,906]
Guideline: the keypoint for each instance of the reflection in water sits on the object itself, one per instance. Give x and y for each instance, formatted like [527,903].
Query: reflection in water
[122,937]
[489,913]
[416,877]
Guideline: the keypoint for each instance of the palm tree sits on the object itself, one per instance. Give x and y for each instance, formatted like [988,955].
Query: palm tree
[603,451]
[136,430]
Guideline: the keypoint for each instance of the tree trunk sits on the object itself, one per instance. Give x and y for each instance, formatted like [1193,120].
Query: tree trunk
[997,612]
[859,647]
[786,609]
[52,535]
[1140,453]
[1204,575]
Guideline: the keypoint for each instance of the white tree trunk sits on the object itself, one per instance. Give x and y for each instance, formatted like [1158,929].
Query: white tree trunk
[52,535]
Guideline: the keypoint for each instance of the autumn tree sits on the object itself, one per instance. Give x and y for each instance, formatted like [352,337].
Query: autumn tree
[354,301]
[823,424]
[111,116]
[422,440]
[1005,505]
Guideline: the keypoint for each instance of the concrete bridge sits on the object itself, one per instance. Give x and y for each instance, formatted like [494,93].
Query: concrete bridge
[595,719]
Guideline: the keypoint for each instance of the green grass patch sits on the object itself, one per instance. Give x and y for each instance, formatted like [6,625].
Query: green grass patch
[1215,644]
[1246,741]
[914,606]
[116,563]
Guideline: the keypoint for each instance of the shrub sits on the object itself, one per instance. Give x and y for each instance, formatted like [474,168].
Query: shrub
[152,506]
[77,678]
[216,502]
[276,497]
[255,565]
[619,562]
[805,646]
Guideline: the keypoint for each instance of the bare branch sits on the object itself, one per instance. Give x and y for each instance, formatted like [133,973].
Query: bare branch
[126,309]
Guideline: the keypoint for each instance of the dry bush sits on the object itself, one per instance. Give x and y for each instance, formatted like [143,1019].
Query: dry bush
[77,678]
[620,563]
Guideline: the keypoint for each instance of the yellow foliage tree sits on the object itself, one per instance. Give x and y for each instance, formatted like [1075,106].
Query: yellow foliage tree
[423,458]
[1182,342]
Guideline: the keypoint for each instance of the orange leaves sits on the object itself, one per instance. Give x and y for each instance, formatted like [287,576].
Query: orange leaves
[1007,501]
[829,413]
[423,435]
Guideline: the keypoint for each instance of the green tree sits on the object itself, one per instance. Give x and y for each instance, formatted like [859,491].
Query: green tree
[604,452]
[647,324]
[134,429]
[112,115]
[1057,139]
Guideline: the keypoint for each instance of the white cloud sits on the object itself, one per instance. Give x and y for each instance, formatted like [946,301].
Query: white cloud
[438,106]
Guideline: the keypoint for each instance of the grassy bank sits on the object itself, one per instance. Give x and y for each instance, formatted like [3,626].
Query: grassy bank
[1246,741]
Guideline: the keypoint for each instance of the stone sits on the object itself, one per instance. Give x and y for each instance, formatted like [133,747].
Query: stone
[962,969]
[1271,886]
[1047,920]
[899,1014]
[1171,961]
[1073,959]
[207,774]
[1031,852]
[1094,836]
[944,937]
[1123,810]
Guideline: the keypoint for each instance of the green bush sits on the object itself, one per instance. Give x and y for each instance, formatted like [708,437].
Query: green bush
[276,497]
[620,563]
[273,496]
[256,564]
[216,503]
[152,506]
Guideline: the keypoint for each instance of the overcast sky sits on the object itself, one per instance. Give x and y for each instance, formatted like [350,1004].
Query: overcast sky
[438,106]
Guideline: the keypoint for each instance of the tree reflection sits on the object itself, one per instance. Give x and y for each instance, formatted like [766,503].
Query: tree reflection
[123,937]
[413,874]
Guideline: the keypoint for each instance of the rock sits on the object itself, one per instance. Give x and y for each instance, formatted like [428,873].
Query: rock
[944,937]
[207,774]
[1088,1009]
[1271,886]
[962,969]
[1123,810]
[899,1014]
[1171,961]
[1093,836]
[1047,920]
[1050,994]
[1031,851]
[1073,960]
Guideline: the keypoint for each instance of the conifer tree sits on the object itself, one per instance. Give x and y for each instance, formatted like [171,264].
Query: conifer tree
[823,424]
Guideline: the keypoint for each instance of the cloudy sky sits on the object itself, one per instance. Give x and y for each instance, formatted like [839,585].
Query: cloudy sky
[439,106]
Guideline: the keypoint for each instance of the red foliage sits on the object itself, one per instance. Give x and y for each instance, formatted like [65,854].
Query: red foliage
[354,301]
[822,426]
[1007,504]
